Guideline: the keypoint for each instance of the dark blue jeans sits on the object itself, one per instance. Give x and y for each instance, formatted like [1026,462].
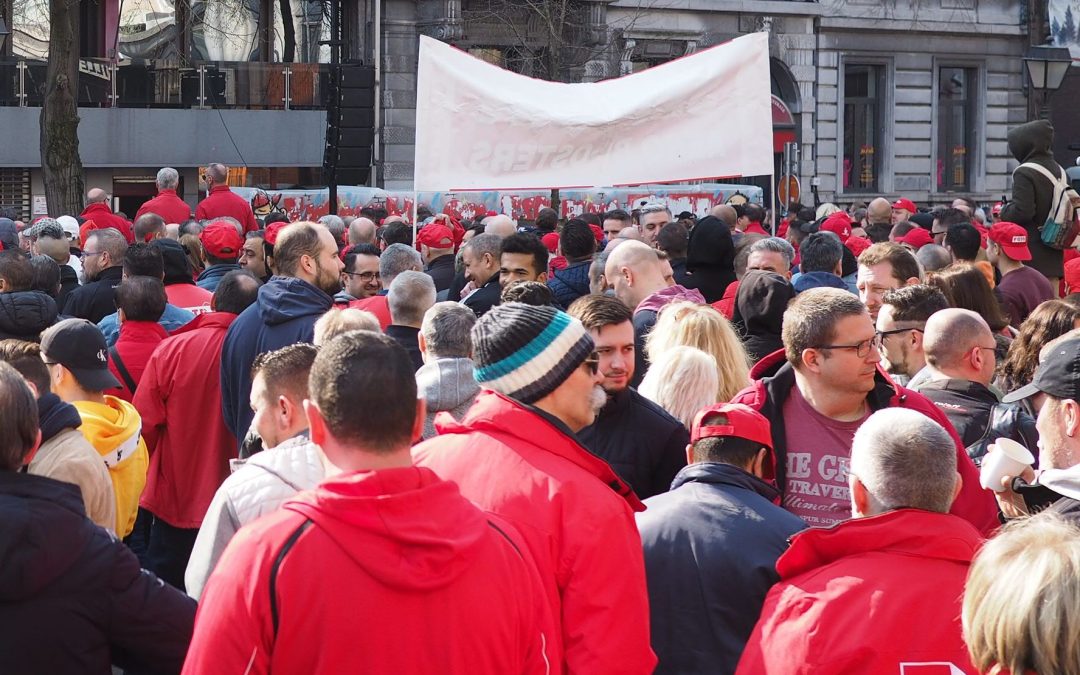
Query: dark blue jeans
[170,548]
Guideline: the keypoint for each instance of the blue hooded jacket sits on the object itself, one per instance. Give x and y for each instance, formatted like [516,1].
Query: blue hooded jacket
[284,314]
[570,283]
[808,280]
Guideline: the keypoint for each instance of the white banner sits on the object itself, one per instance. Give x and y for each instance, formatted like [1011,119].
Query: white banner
[702,116]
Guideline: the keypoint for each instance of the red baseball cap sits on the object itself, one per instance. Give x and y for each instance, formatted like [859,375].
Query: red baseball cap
[839,224]
[435,235]
[221,240]
[551,241]
[906,204]
[916,238]
[996,208]
[272,231]
[742,422]
[858,244]
[1013,240]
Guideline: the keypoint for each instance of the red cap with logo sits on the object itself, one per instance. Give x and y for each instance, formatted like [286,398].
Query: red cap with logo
[839,224]
[435,235]
[1012,238]
[916,238]
[221,240]
[906,204]
[742,422]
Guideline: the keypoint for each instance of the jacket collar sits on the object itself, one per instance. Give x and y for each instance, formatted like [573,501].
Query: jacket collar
[141,331]
[719,473]
[909,532]
[167,192]
[779,377]
[967,388]
[219,188]
[110,273]
[520,425]
[54,416]
[96,207]
[220,320]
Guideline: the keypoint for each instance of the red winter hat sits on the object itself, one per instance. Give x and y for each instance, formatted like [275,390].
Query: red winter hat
[1072,275]
[1013,240]
[858,244]
[435,235]
[551,241]
[906,204]
[221,240]
[742,422]
[839,224]
[597,232]
[916,238]
[272,231]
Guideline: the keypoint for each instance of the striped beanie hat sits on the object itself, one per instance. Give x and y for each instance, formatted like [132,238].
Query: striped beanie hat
[525,351]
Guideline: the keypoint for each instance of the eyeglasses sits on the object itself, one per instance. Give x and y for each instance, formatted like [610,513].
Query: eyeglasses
[880,336]
[861,349]
[593,363]
[364,276]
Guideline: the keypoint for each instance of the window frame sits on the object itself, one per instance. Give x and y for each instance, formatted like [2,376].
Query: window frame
[886,115]
[976,125]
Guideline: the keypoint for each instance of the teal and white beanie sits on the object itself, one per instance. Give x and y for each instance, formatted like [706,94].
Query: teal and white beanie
[526,351]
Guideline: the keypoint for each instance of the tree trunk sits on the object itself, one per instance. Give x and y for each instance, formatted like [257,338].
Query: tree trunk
[61,166]
[288,31]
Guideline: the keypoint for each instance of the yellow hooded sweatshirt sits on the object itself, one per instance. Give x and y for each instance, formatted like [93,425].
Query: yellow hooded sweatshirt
[114,429]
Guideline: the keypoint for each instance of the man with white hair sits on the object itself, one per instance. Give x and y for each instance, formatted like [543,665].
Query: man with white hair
[336,226]
[880,593]
[167,203]
[411,294]
[221,201]
[651,219]
[771,254]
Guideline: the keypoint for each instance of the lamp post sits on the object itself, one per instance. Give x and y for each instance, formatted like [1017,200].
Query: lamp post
[1046,69]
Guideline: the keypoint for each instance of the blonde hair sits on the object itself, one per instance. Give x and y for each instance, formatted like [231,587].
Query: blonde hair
[691,325]
[682,381]
[1022,600]
[338,321]
[193,248]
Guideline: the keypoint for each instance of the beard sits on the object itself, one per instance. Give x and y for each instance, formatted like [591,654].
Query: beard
[597,400]
[326,282]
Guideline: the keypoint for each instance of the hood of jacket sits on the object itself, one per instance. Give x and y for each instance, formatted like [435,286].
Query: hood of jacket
[1031,141]
[37,512]
[446,383]
[108,424]
[808,280]
[54,416]
[710,258]
[718,473]
[666,296]
[406,527]
[913,532]
[760,304]
[177,265]
[24,314]
[217,271]
[283,299]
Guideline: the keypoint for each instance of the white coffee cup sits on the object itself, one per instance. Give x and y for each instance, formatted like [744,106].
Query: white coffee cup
[1005,458]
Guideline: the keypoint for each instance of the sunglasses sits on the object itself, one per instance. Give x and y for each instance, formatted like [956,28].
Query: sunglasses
[593,363]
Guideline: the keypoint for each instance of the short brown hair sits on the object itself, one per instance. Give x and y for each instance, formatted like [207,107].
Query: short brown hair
[18,419]
[285,370]
[904,265]
[293,242]
[25,357]
[596,311]
[811,318]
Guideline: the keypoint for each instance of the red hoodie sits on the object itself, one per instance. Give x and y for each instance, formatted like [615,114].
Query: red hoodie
[224,202]
[870,595]
[103,217]
[167,205]
[388,571]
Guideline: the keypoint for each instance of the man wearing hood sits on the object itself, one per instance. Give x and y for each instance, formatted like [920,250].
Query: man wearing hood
[446,381]
[760,304]
[1033,192]
[24,313]
[633,270]
[308,275]
[427,581]
[64,454]
[710,256]
[75,353]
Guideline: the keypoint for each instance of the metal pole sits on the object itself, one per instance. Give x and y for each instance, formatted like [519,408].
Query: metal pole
[376,150]
[335,68]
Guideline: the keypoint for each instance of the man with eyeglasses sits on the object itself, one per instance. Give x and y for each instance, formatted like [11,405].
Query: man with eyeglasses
[102,260]
[360,279]
[900,327]
[960,356]
[516,454]
[819,391]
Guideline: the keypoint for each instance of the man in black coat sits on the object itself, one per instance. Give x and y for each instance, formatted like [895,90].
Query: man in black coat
[72,597]
[644,444]
[711,544]
[24,312]
[103,258]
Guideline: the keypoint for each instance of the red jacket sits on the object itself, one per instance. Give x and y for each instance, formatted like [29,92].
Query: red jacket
[224,202]
[168,206]
[726,304]
[190,297]
[379,305]
[576,516]
[869,595]
[179,400]
[137,341]
[103,217]
[773,379]
[389,571]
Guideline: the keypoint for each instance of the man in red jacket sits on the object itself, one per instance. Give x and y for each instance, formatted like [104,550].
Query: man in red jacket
[822,387]
[167,204]
[97,209]
[384,568]
[140,302]
[221,201]
[515,454]
[879,593]
[179,400]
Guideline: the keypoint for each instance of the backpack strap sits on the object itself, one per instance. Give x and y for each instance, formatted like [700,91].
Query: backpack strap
[1039,168]
[280,558]
[129,381]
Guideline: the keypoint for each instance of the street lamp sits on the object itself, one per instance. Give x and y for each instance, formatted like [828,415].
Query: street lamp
[1046,68]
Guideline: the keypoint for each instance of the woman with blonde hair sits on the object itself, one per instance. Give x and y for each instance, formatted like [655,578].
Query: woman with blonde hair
[1022,600]
[686,324]
[682,381]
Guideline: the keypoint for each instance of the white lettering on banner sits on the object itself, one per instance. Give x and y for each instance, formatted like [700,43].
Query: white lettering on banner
[479,127]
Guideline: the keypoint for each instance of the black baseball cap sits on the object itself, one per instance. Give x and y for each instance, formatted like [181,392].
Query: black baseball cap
[1058,375]
[79,346]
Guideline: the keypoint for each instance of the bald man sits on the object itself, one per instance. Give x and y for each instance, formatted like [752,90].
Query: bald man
[726,213]
[636,274]
[501,225]
[222,202]
[960,353]
[97,209]
[878,220]
[362,231]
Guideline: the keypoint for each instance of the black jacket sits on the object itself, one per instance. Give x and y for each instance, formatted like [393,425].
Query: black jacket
[711,546]
[570,283]
[69,281]
[1032,192]
[968,405]
[97,299]
[679,273]
[643,443]
[485,297]
[24,314]
[72,598]
[441,270]
[406,337]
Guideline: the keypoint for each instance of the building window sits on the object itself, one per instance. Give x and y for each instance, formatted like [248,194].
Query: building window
[955,128]
[864,89]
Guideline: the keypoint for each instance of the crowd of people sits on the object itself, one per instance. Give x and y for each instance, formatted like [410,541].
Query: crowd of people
[619,442]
